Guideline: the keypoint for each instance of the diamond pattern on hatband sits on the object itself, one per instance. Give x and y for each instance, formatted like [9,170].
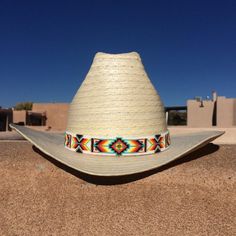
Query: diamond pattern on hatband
[117,146]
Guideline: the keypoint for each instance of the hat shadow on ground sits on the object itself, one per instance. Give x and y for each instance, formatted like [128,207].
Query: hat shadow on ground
[113,180]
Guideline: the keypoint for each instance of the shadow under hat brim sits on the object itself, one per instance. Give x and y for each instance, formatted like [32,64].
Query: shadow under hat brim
[52,144]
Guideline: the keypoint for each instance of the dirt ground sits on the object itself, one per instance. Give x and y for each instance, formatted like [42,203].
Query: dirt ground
[195,195]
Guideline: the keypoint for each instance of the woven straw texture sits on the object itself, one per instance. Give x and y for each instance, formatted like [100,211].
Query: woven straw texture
[116,99]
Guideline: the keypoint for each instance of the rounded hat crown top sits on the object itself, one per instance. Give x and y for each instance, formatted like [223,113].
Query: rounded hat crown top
[116,99]
[129,55]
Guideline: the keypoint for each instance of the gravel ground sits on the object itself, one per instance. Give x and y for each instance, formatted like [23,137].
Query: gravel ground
[195,195]
[10,135]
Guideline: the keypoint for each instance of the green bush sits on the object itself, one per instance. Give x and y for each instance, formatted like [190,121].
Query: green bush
[23,106]
[177,118]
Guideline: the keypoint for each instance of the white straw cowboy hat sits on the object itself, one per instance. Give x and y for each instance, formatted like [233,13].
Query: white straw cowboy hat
[116,123]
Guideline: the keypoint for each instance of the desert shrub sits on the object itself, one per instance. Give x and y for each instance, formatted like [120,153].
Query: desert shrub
[23,106]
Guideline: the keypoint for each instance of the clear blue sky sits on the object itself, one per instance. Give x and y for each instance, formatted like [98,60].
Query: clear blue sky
[46,47]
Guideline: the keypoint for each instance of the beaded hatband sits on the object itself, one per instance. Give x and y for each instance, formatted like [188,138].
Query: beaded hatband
[117,146]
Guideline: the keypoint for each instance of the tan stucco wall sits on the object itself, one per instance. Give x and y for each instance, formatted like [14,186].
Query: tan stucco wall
[56,114]
[226,112]
[19,116]
[199,116]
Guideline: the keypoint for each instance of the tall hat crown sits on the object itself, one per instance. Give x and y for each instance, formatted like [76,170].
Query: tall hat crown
[116,99]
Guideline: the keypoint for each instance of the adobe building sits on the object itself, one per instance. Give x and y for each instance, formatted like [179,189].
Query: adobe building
[219,111]
[55,114]
[6,117]
[45,116]
[226,112]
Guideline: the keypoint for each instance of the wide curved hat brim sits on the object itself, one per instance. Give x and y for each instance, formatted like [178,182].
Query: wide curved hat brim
[52,144]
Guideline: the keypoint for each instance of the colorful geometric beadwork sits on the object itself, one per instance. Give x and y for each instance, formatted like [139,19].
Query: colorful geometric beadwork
[117,146]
